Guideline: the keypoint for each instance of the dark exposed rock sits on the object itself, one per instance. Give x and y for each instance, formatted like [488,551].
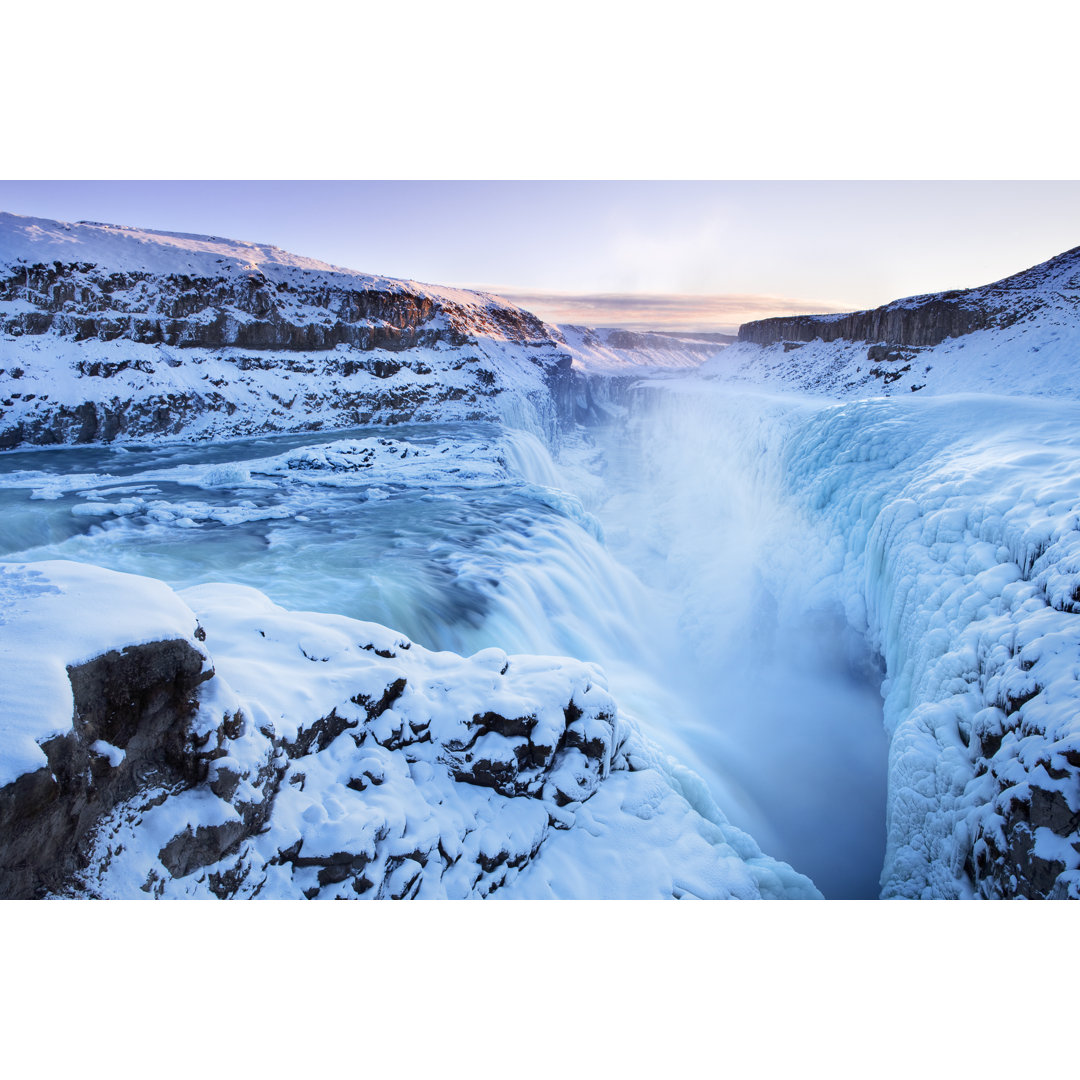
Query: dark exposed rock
[138,701]
[519,764]
[207,844]
[319,735]
[248,311]
[922,321]
[1004,863]
[375,709]
[929,323]
[1049,809]
[588,399]
[505,726]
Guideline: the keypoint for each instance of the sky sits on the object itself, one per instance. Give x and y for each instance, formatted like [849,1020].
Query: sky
[686,255]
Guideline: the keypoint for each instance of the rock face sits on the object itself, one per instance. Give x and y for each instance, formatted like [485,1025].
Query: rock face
[107,333]
[1006,862]
[249,310]
[131,724]
[922,321]
[1026,842]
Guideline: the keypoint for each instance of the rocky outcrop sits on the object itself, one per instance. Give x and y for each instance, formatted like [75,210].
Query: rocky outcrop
[536,770]
[1027,839]
[130,730]
[928,321]
[84,301]
[1007,863]
[133,747]
[110,333]
[166,783]
[922,321]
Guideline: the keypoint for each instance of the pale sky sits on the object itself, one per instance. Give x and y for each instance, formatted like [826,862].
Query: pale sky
[691,255]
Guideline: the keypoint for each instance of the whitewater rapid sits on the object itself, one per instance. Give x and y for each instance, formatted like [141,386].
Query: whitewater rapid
[664,550]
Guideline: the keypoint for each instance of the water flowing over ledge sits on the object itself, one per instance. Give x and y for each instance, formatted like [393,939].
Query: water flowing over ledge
[846,631]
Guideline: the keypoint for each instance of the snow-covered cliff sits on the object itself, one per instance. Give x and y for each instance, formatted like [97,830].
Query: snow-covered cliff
[1017,335]
[214,744]
[952,526]
[109,332]
[207,741]
[953,542]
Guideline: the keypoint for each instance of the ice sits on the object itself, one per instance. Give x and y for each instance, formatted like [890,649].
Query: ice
[113,753]
[840,624]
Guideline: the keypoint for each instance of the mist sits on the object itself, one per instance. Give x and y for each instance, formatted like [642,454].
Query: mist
[779,697]
[667,548]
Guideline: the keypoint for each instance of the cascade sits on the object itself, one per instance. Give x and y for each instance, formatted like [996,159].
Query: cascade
[663,548]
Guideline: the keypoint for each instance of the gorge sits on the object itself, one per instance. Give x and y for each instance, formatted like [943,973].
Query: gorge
[317,584]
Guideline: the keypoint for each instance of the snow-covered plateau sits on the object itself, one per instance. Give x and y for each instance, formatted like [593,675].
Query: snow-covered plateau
[353,587]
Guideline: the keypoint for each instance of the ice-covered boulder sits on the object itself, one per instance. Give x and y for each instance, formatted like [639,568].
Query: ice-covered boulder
[101,676]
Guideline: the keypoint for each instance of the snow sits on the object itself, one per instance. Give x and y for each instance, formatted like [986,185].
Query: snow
[284,392]
[1035,355]
[121,248]
[607,352]
[106,750]
[355,799]
[55,615]
[484,358]
[702,587]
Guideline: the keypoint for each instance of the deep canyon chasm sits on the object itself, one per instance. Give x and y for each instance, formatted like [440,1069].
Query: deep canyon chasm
[840,631]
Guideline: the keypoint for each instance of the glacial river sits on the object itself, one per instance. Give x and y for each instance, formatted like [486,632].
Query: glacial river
[661,549]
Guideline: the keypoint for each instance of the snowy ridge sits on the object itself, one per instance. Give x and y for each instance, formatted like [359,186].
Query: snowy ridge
[1017,336]
[929,318]
[121,248]
[1037,356]
[115,333]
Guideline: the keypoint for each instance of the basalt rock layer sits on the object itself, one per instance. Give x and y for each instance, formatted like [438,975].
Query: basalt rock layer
[927,320]
[111,333]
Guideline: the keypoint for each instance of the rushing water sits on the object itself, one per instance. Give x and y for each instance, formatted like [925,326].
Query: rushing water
[683,592]
[780,698]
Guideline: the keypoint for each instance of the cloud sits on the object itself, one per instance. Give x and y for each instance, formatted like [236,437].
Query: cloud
[670,311]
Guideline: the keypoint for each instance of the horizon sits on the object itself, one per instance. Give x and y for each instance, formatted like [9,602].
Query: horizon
[679,256]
